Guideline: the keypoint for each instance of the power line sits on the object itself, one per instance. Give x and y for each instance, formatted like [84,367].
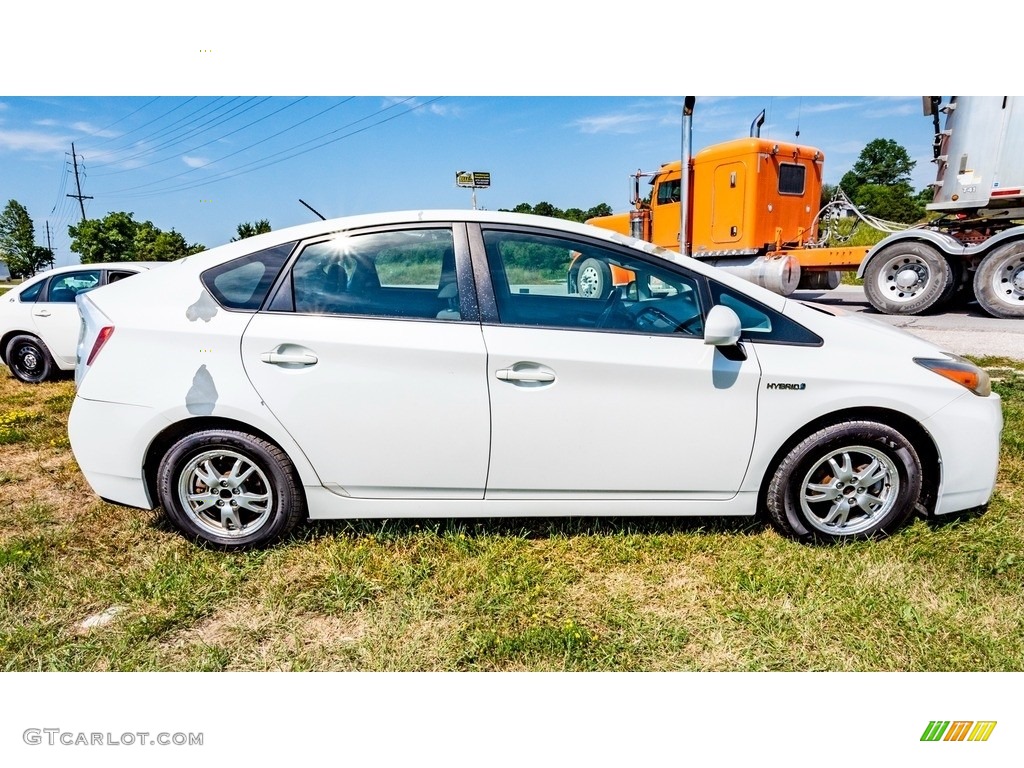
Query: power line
[243,149]
[231,174]
[199,129]
[170,127]
[62,184]
[150,122]
[111,125]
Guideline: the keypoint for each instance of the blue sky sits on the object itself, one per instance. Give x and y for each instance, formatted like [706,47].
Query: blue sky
[177,118]
[203,164]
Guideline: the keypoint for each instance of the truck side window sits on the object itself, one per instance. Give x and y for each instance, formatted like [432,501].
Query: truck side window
[668,192]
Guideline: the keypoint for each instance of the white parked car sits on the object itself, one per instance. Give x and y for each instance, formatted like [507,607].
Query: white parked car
[39,322]
[438,364]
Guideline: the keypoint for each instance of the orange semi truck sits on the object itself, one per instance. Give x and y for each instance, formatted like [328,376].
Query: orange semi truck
[752,209]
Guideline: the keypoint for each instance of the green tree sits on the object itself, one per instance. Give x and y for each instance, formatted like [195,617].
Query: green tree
[245,229]
[118,237]
[43,258]
[882,161]
[153,244]
[879,182]
[18,241]
[601,209]
[545,208]
[572,214]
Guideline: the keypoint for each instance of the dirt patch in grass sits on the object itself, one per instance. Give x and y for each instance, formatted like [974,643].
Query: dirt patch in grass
[256,638]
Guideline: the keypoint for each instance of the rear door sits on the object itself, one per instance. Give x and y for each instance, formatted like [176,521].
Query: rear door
[370,354]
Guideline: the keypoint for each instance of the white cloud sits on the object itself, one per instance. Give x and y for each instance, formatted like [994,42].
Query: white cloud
[92,131]
[46,122]
[194,162]
[32,141]
[897,110]
[834,106]
[621,123]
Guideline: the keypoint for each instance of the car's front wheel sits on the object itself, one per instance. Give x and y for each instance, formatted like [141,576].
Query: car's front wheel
[852,480]
[230,489]
[29,360]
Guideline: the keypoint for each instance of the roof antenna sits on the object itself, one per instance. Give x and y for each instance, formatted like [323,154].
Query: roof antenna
[799,107]
[314,210]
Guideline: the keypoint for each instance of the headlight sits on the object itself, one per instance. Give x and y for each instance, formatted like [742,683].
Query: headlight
[963,372]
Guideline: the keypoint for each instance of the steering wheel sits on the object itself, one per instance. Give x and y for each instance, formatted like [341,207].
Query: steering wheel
[684,326]
[610,305]
[658,316]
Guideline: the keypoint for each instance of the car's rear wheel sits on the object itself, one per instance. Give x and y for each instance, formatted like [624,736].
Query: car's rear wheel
[230,489]
[848,481]
[29,360]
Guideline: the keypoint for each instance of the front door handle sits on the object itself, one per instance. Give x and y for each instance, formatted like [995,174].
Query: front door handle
[526,373]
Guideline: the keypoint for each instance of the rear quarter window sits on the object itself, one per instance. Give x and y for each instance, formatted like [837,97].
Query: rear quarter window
[244,283]
[31,293]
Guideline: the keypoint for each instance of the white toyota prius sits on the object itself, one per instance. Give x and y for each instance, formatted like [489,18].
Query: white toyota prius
[447,363]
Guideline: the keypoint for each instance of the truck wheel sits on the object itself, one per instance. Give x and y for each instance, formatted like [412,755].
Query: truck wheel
[999,281]
[594,279]
[907,279]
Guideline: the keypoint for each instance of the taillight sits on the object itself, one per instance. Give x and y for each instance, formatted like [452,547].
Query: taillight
[101,338]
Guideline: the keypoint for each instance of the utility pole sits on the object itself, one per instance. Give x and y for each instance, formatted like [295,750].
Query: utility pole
[49,245]
[80,197]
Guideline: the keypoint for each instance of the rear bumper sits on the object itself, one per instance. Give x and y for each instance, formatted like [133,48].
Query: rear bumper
[108,440]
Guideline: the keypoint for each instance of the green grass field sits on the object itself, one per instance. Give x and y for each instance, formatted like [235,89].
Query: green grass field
[527,594]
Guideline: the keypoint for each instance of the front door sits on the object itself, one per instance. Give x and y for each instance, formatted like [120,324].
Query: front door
[608,399]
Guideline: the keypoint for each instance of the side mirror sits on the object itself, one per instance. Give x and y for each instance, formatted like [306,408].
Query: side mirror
[723,327]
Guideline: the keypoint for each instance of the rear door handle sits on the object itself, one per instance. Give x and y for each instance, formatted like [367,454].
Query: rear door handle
[44,313]
[284,358]
[526,373]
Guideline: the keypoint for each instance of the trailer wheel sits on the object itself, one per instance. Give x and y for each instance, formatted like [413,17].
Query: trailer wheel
[999,281]
[908,278]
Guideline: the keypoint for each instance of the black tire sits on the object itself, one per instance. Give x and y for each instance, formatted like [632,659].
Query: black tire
[956,283]
[999,281]
[594,279]
[230,489]
[908,278]
[29,359]
[848,481]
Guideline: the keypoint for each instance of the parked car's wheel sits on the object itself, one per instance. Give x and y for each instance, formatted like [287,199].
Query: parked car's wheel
[908,278]
[594,279]
[852,480]
[29,360]
[233,490]
[999,281]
